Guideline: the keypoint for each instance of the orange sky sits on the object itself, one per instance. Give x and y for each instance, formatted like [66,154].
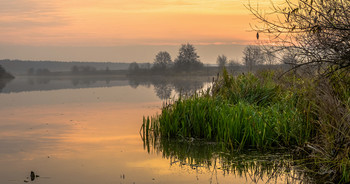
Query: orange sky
[125,22]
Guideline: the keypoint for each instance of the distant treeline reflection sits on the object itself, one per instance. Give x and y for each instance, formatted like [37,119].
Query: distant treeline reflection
[164,86]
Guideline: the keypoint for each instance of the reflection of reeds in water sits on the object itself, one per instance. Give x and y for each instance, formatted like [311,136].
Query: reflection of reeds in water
[214,158]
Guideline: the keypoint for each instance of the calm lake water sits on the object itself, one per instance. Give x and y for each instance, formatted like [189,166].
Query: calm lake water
[79,131]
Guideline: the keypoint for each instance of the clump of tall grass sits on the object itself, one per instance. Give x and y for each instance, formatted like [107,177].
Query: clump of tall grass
[242,111]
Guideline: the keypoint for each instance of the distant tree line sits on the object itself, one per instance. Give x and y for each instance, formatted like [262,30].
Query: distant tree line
[187,60]
[254,57]
[83,69]
[257,57]
[74,70]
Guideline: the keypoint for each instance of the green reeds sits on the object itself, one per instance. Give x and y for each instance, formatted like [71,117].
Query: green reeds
[240,125]
[242,112]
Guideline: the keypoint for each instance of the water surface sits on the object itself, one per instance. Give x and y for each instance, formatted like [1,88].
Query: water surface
[89,133]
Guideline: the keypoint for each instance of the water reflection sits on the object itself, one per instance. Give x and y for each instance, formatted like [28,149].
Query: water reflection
[213,158]
[163,90]
[91,135]
[164,87]
[3,83]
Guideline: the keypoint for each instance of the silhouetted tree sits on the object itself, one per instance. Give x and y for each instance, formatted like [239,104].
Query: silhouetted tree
[187,58]
[221,61]
[319,30]
[133,67]
[253,55]
[162,61]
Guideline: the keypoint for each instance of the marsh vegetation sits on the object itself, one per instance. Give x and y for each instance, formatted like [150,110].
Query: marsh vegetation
[266,111]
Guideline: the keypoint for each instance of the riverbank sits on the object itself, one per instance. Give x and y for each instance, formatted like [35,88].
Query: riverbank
[268,111]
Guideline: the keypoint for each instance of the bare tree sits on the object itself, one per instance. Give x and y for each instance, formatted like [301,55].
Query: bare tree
[221,61]
[253,55]
[319,30]
[162,60]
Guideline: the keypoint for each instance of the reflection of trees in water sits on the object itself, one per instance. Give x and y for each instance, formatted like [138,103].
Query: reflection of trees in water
[43,81]
[163,89]
[83,81]
[3,83]
[205,157]
[187,86]
[76,81]
[34,81]
[164,86]
[134,83]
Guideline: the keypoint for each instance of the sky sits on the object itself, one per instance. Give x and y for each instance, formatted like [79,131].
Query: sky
[123,30]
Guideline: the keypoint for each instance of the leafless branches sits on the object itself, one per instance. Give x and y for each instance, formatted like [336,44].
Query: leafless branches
[318,31]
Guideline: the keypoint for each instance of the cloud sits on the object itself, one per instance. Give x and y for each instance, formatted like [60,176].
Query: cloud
[29,13]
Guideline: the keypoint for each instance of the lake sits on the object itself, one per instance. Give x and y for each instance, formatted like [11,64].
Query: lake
[87,130]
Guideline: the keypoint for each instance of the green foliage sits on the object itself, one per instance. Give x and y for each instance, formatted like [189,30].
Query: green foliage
[243,111]
[265,111]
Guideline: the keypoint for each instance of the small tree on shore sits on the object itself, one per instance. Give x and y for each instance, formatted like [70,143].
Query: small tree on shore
[187,58]
[221,61]
[162,61]
[134,67]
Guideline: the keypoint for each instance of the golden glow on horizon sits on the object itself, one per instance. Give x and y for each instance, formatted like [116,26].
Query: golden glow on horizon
[121,22]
